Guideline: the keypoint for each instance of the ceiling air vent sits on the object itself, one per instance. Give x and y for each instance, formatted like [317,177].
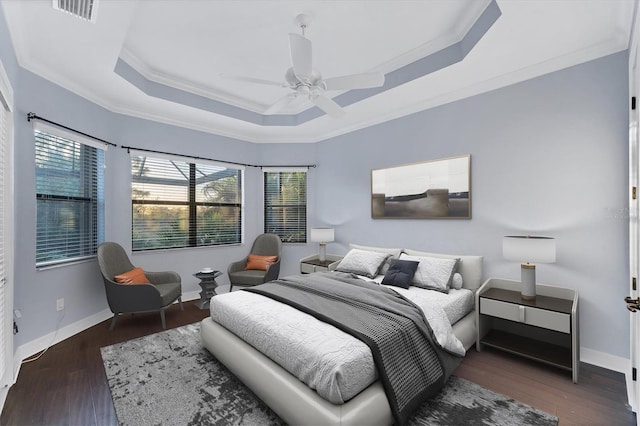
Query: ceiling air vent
[84,9]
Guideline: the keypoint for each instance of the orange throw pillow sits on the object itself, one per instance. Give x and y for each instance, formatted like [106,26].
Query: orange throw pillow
[260,263]
[134,276]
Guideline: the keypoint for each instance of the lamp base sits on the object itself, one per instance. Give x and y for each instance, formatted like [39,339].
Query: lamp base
[323,252]
[528,278]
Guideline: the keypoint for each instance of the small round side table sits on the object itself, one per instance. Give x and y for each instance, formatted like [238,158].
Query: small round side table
[208,284]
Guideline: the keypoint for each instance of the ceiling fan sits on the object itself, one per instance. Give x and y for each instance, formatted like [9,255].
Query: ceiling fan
[305,81]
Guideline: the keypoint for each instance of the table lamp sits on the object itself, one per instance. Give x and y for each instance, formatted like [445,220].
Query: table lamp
[528,249]
[322,236]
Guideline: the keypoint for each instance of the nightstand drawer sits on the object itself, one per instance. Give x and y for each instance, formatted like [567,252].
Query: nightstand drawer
[307,268]
[312,264]
[548,319]
[532,316]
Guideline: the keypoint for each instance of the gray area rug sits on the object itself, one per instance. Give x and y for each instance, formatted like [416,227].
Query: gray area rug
[168,378]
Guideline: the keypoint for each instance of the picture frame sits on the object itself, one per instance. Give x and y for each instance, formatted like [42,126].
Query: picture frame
[435,189]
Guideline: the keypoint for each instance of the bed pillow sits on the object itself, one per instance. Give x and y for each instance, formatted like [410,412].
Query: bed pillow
[470,267]
[394,253]
[134,276]
[362,262]
[433,273]
[456,281]
[260,263]
[400,273]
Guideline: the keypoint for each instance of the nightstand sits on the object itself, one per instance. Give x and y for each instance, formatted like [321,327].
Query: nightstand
[314,264]
[544,329]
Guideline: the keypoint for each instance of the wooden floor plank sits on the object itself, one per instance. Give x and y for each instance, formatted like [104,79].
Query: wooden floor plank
[68,385]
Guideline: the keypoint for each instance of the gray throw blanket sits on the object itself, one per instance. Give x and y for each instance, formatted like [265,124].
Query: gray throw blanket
[411,365]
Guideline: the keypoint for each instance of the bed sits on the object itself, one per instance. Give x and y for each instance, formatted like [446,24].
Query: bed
[292,399]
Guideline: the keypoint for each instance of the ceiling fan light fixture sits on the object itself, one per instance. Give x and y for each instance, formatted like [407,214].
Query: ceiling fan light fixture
[303,90]
[304,80]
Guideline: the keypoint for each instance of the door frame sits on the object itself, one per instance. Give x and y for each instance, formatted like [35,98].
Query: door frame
[633,388]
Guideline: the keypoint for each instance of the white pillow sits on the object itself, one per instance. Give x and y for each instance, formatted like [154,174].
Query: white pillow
[433,273]
[456,281]
[362,262]
[394,253]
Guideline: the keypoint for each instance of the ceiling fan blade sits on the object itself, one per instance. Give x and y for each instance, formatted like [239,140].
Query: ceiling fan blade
[300,49]
[280,104]
[328,105]
[355,81]
[253,80]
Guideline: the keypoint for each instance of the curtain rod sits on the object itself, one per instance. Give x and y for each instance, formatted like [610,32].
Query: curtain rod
[33,116]
[128,148]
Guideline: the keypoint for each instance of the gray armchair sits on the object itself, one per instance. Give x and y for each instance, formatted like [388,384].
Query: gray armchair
[264,245]
[166,287]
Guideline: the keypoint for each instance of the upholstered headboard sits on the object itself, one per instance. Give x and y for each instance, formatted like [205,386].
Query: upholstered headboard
[470,267]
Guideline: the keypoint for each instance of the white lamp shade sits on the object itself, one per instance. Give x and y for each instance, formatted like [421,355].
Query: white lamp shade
[322,235]
[529,249]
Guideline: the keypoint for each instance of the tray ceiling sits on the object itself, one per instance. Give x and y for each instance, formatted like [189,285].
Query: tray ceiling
[164,60]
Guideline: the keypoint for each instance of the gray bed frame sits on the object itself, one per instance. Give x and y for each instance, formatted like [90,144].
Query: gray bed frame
[295,402]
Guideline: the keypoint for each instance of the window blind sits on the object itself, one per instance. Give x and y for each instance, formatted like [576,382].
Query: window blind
[69,199]
[176,203]
[285,205]
[6,229]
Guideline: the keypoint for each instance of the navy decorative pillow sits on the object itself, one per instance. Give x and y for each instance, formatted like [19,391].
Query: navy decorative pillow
[400,273]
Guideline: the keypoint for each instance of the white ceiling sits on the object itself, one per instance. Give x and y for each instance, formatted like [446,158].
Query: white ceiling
[182,47]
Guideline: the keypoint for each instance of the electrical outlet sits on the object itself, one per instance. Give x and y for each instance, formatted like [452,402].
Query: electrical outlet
[59,305]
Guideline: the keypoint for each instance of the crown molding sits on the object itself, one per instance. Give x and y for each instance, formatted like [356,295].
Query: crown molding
[169,80]
[438,60]
[484,86]
[465,24]
[145,70]
[258,136]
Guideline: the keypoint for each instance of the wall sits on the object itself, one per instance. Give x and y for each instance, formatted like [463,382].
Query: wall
[548,156]
[7,55]
[80,284]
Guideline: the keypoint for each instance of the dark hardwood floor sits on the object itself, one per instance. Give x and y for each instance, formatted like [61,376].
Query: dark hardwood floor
[599,397]
[68,386]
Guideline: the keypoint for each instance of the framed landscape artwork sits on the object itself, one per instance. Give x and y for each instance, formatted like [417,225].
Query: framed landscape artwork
[438,189]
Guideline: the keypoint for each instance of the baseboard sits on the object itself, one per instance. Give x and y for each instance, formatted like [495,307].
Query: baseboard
[604,360]
[190,295]
[33,347]
[611,362]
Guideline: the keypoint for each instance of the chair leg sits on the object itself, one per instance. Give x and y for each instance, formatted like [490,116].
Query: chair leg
[230,288]
[113,321]
[164,323]
[180,301]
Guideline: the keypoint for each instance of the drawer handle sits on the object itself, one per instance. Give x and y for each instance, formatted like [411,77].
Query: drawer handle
[521,312]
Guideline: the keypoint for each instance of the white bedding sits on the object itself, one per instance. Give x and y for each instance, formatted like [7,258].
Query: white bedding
[337,365]
[456,304]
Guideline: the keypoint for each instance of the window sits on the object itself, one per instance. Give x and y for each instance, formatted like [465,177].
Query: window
[180,204]
[285,205]
[69,198]
[6,230]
